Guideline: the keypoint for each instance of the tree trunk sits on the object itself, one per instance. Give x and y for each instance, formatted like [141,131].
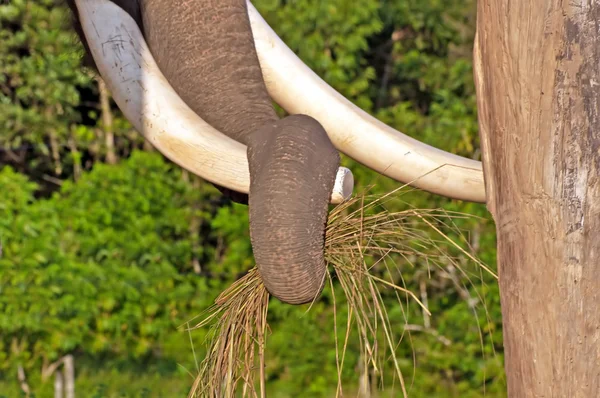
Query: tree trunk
[147,146]
[58,384]
[69,372]
[55,150]
[107,122]
[194,228]
[537,70]
[23,381]
[76,156]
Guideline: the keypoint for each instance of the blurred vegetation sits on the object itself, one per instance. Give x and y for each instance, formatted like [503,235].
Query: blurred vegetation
[107,248]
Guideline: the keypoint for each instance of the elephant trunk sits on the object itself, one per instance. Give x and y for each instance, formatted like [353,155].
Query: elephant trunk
[206,50]
[293,166]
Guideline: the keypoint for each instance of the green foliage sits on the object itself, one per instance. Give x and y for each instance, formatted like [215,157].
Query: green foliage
[235,250]
[49,110]
[107,265]
[331,37]
[40,75]
[101,267]
[113,381]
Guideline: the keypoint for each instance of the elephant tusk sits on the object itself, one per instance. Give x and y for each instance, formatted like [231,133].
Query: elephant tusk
[343,186]
[156,111]
[296,88]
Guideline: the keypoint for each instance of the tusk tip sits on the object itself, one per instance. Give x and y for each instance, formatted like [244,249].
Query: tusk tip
[343,186]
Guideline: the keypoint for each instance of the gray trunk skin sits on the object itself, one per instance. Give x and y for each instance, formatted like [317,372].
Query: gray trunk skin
[206,50]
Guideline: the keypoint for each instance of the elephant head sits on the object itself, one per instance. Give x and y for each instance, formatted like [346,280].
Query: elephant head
[197,78]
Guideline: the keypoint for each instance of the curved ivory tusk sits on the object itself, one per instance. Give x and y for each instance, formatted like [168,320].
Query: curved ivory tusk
[154,109]
[295,87]
[343,186]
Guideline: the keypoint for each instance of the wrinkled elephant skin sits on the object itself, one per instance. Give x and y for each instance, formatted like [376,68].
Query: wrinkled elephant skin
[206,51]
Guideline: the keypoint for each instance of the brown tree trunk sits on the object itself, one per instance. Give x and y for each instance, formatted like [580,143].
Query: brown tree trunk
[55,150]
[194,229]
[537,70]
[107,122]
[147,146]
[76,156]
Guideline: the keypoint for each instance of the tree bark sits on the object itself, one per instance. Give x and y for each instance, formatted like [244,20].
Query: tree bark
[23,381]
[58,384]
[69,376]
[55,150]
[107,122]
[537,71]
[76,156]
[195,226]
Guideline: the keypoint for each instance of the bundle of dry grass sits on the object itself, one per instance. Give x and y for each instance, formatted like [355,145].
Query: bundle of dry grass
[363,243]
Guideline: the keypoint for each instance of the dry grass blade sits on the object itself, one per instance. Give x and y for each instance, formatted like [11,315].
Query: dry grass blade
[365,246]
[361,238]
[239,322]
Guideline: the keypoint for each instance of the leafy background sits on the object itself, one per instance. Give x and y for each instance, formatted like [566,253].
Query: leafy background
[108,248]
